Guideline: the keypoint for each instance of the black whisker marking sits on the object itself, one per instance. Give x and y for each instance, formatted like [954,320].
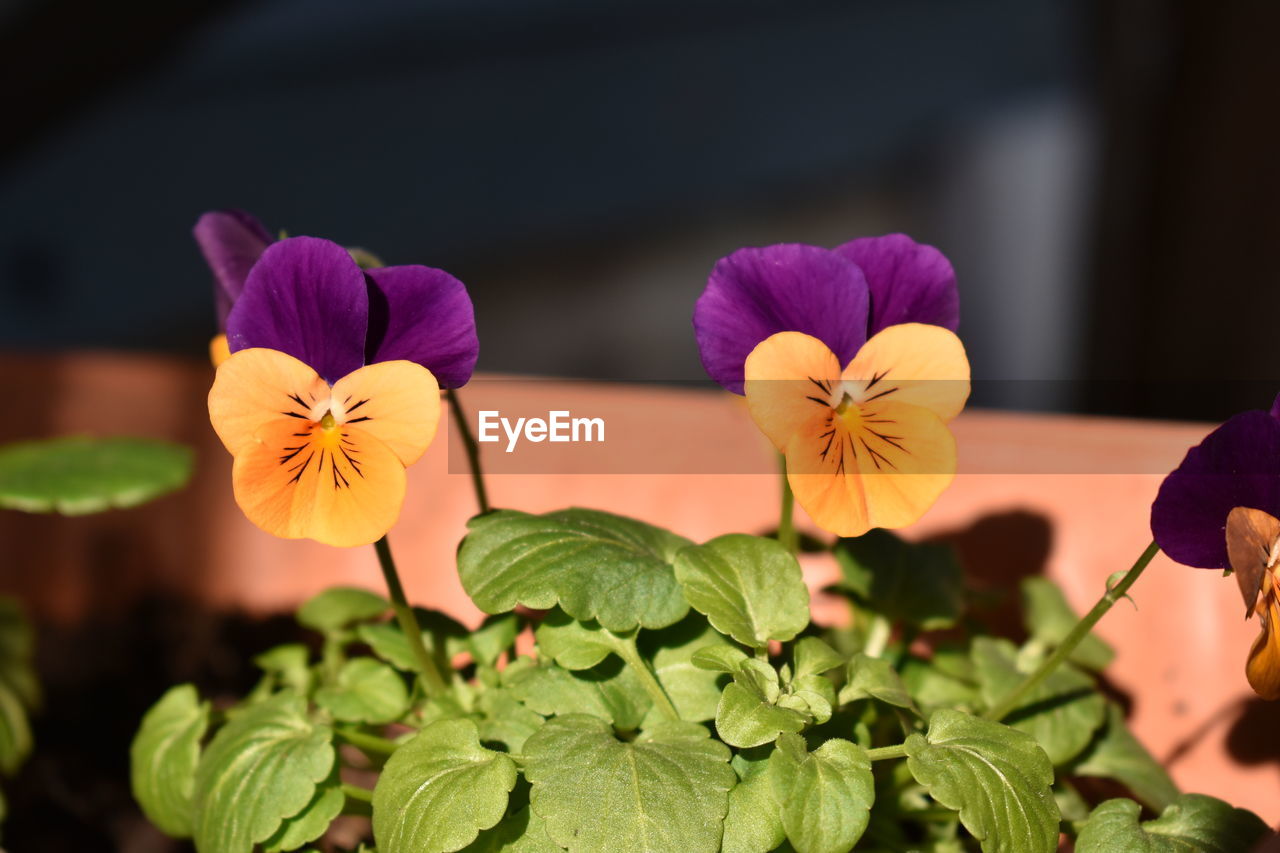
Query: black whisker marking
[818,401]
[357,405]
[301,469]
[355,466]
[883,393]
[358,420]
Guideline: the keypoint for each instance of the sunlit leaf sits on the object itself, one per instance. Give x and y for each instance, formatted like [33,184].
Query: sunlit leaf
[76,476]
[826,795]
[365,691]
[1193,823]
[340,606]
[164,756]
[1049,618]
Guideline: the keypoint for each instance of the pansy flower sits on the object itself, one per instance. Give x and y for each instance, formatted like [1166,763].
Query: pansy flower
[840,296]
[1218,510]
[332,386]
[866,443]
[231,242]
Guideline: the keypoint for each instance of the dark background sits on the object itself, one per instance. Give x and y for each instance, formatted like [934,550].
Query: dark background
[1102,174]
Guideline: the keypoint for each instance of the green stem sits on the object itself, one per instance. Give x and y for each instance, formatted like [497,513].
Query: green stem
[473,449]
[355,792]
[898,750]
[1068,645]
[878,633]
[432,682]
[786,525]
[367,742]
[626,649]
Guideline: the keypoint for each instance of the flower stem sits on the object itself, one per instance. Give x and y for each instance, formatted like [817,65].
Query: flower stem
[432,682]
[898,750]
[1001,709]
[473,449]
[355,792]
[366,741]
[786,527]
[626,650]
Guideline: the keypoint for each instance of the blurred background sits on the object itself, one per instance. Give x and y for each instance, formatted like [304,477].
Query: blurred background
[1103,175]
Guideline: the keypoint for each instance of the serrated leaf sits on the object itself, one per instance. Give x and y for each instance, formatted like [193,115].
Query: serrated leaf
[573,644]
[812,656]
[262,767]
[868,677]
[997,777]
[753,823]
[947,680]
[442,635]
[825,795]
[289,664]
[76,476]
[339,607]
[665,792]
[439,790]
[1116,754]
[1062,713]
[693,690]
[313,821]
[610,691]
[163,759]
[505,719]
[492,638]
[746,718]
[920,585]
[748,587]
[522,832]
[1049,618]
[596,565]
[365,691]
[718,658]
[1193,823]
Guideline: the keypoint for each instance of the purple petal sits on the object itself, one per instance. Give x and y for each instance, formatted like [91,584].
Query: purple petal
[307,298]
[422,314]
[1275,408]
[231,242]
[755,293]
[1238,464]
[909,281]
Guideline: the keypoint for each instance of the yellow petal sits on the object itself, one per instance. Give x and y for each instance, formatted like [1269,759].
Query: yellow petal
[1263,668]
[340,486]
[791,380]
[397,402]
[913,363]
[219,350]
[257,386]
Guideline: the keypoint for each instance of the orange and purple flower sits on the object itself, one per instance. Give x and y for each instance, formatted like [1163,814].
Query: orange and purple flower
[851,367]
[332,386]
[1218,509]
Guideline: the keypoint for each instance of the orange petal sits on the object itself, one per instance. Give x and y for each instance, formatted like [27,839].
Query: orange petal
[1263,668]
[791,379]
[256,386]
[1252,537]
[397,402]
[219,350]
[913,363]
[340,486]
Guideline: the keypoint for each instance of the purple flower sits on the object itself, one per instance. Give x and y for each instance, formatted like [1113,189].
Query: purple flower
[1237,465]
[231,242]
[841,296]
[308,298]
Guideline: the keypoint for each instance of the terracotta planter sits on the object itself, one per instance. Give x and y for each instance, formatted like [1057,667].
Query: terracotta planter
[1181,651]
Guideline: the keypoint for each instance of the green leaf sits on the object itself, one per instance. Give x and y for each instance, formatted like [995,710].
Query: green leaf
[665,792]
[505,719]
[439,790]
[573,644]
[868,677]
[998,778]
[595,565]
[313,821]
[693,690]
[825,795]
[76,476]
[261,768]
[813,657]
[442,635]
[1062,713]
[365,691]
[289,664]
[1116,754]
[1194,823]
[15,731]
[747,717]
[610,691]
[947,680]
[341,606]
[1049,618]
[718,658]
[754,821]
[491,639]
[522,832]
[748,587]
[163,759]
[920,585]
